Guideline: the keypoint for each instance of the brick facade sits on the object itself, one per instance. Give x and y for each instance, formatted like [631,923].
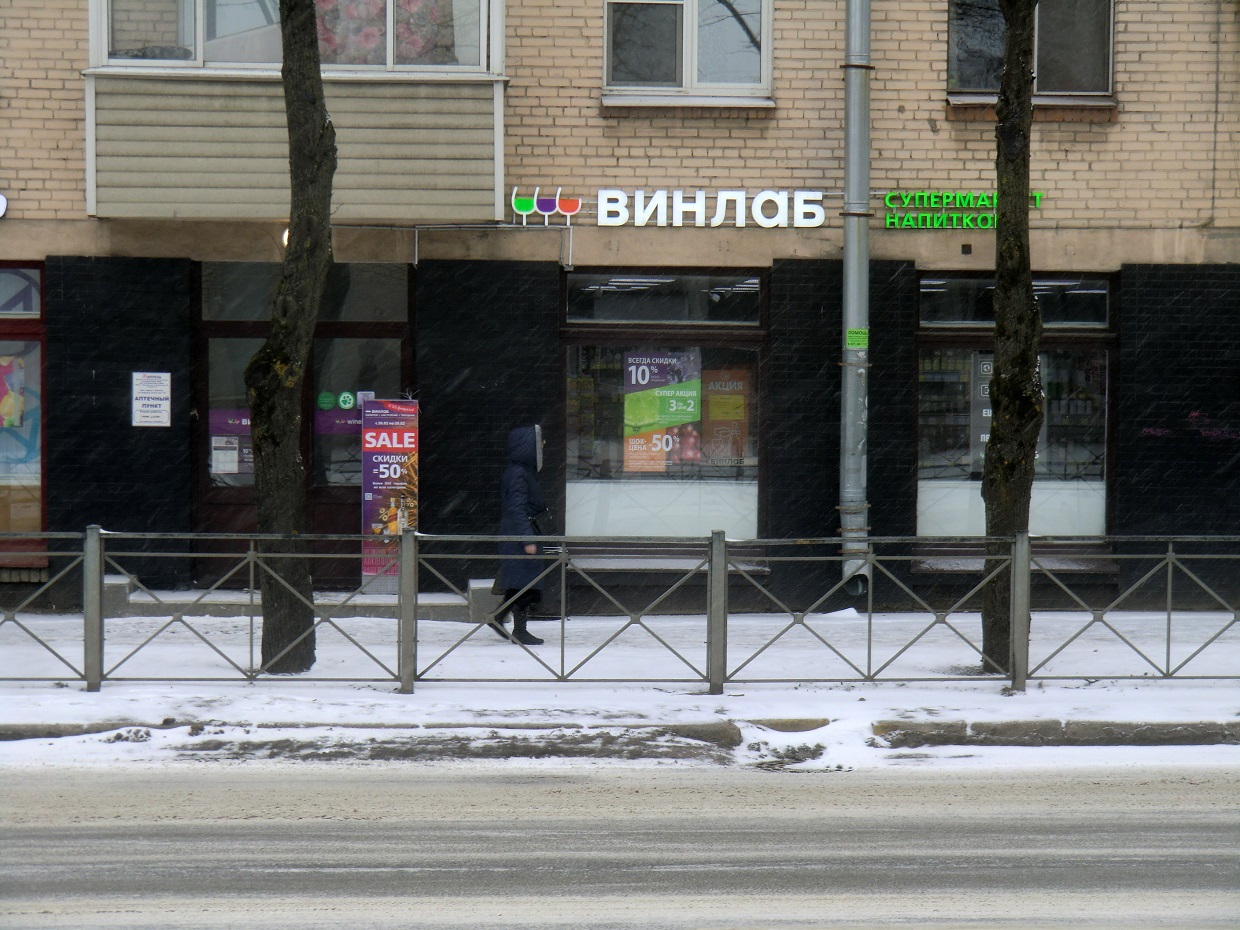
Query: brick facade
[43,109]
[1163,158]
[1159,160]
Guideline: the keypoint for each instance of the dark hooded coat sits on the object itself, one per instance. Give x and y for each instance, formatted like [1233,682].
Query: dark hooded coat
[521,498]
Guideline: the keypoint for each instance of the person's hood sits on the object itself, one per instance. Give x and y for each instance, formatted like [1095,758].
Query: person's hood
[525,446]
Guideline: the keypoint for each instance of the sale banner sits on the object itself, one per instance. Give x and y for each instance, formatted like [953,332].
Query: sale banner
[389,487]
[662,409]
[727,405]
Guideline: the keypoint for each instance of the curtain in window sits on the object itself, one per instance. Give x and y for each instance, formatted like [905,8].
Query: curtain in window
[425,33]
[352,32]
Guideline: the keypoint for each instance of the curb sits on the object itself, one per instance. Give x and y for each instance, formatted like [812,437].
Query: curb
[726,734]
[902,734]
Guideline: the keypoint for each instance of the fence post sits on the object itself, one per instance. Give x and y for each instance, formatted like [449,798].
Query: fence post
[92,607]
[1021,565]
[407,625]
[717,612]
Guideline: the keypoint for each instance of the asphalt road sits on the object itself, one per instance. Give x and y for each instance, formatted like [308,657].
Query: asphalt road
[488,847]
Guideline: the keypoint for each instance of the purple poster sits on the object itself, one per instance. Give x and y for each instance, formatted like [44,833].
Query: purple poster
[389,484]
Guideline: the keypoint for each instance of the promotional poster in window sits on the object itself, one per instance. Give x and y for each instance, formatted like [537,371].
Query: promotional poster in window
[662,409]
[389,487]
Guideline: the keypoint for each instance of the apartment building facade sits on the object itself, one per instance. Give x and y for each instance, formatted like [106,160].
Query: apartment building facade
[619,219]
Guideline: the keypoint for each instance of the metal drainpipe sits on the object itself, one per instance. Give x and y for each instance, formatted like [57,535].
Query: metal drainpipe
[854,394]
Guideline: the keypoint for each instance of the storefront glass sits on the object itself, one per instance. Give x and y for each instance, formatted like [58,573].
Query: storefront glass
[21,457]
[662,401]
[346,372]
[1069,490]
[245,291]
[661,298]
[231,455]
[21,405]
[357,353]
[662,441]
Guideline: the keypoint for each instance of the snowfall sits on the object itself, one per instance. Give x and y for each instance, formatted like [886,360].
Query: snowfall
[175,693]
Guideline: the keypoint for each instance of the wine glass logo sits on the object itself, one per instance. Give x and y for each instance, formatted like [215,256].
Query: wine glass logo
[546,207]
[523,206]
[568,207]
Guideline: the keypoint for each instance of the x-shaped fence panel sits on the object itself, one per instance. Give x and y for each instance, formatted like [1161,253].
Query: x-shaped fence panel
[652,626]
[814,628]
[1193,632]
[709,611]
[29,616]
[214,632]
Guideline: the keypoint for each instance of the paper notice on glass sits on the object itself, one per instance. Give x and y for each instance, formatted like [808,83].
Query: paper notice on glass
[152,398]
[225,455]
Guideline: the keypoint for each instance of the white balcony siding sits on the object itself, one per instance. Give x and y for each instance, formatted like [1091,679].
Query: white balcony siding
[206,148]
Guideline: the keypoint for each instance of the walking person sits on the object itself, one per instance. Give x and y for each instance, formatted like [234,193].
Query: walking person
[521,501]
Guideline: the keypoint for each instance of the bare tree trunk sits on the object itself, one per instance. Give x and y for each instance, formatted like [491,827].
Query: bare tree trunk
[1016,389]
[275,375]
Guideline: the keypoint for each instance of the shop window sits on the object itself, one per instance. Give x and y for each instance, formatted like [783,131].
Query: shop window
[346,373]
[231,456]
[638,298]
[370,33]
[21,415]
[21,294]
[21,440]
[1069,489]
[1064,302]
[1072,47]
[245,291]
[358,353]
[662,400]
[662,441]
[687,46]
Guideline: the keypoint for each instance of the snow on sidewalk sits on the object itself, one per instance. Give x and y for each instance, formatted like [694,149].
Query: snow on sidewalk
[788,722]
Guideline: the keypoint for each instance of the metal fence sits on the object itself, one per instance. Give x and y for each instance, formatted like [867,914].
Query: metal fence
[120,607]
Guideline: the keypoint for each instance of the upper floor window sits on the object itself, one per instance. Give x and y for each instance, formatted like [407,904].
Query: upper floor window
[369,33]
[1072,46]
[709,47]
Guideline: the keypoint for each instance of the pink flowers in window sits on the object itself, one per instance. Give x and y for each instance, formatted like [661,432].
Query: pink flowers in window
[354,32]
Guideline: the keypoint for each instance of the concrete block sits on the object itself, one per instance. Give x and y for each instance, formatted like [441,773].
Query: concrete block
[482,603]
[116,590]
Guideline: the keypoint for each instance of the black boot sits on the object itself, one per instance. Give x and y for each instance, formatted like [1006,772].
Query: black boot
[519,632]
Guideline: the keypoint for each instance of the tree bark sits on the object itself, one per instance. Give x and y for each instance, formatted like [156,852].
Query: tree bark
[275,376]
[1015,389]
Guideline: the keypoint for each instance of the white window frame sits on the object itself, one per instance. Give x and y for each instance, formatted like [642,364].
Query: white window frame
[1061,97]
[691,92]
[491,53]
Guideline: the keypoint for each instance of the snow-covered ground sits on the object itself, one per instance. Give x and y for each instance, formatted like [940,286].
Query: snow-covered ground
[625,695]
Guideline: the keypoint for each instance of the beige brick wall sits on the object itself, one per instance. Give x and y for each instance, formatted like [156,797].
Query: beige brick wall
[558,133]
[1166,159]
[43,50]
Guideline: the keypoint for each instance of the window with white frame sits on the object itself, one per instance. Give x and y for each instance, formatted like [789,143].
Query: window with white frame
[352,33]
[708,47]
[1072,47]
